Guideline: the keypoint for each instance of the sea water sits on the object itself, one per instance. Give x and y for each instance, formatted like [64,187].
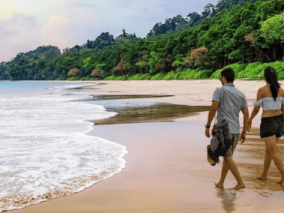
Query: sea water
[44,149]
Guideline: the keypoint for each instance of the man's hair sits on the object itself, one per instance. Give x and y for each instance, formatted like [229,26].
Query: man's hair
[229,74]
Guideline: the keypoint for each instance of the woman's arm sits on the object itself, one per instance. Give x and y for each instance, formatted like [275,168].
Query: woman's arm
[255,109]
[282,106]
[282,94]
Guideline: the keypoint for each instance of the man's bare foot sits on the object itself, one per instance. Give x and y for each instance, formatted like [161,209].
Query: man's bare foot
[281,181]
[239,186]
[262,178]
[220,186]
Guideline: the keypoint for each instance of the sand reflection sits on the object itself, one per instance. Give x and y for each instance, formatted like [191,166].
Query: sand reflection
[228,198]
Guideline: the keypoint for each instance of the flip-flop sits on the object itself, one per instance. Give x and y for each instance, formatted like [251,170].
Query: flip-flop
[212,162]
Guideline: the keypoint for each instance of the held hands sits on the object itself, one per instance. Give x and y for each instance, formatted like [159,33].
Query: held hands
[243,135]
[249,122]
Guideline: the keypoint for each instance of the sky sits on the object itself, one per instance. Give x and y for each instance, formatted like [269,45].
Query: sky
[27,24]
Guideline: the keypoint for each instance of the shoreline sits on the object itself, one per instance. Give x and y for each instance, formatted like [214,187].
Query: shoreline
[160,175]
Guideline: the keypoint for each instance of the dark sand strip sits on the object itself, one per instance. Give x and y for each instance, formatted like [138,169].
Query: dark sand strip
[153,113]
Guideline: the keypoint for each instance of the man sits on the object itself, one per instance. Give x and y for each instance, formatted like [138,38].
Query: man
[228,101]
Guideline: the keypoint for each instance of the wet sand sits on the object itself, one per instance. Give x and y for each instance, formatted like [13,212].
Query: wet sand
[167,170]
[157,112]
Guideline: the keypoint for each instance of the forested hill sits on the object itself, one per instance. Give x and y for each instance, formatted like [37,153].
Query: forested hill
[242,35]
[40,54]
[44,52]
[179,23]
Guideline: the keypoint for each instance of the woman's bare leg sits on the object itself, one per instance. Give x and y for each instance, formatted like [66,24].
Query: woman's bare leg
[271,147]
[267,163]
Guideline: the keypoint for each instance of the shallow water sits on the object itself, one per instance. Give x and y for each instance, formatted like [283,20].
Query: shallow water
[44,151]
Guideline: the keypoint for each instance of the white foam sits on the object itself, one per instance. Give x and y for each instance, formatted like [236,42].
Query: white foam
[44,151]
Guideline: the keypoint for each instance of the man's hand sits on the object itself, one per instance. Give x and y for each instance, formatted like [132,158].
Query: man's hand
[212,112]
[243,137]
[207,132]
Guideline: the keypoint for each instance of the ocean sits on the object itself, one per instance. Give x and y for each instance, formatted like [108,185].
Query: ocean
[44,150]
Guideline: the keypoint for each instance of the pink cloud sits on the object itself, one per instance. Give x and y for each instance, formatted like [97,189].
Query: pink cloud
[17,35]
[21,33]
[56,32]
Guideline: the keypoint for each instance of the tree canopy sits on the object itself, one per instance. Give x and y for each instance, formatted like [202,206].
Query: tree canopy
[194,18]
[103,40]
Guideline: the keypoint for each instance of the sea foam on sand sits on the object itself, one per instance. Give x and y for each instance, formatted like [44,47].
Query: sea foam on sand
[44,151]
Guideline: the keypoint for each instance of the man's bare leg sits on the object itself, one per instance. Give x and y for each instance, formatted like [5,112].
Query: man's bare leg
[224,172]
[234,169]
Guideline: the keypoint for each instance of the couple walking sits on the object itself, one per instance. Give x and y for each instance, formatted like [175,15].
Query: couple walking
[228,101]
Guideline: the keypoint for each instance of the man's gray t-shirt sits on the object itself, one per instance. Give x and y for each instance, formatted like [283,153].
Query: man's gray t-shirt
[231,102]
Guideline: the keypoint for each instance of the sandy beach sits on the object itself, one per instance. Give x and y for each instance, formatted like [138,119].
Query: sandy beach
[167,170]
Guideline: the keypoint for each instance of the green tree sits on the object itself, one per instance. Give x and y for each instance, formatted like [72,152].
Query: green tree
[273,29]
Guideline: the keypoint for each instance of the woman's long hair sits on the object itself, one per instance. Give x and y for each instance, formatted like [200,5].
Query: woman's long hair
[271,78]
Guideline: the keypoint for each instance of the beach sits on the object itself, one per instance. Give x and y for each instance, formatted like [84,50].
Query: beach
[167,168]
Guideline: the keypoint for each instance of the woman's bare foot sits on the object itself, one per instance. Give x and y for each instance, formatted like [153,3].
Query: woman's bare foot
[281,181]
[239,186]
[220,186]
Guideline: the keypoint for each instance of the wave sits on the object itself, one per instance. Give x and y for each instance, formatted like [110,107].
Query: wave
[45,152]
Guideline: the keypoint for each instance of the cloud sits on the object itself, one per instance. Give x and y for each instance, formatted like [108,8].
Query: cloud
[15,24]
[27,24]
[55,32]
[18,35]
[86,20]
[5,31]
[22,33]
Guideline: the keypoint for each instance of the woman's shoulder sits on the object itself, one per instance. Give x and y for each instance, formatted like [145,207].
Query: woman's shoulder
[264,92]
[281,91]
[262,89]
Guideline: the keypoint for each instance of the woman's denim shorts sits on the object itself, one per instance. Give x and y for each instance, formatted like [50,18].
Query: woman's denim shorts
[271,126]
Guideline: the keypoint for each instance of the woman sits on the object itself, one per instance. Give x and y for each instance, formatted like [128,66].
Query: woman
[271,98]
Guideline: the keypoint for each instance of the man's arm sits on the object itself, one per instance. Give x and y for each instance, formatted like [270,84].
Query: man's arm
[211,115]
[245,112]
